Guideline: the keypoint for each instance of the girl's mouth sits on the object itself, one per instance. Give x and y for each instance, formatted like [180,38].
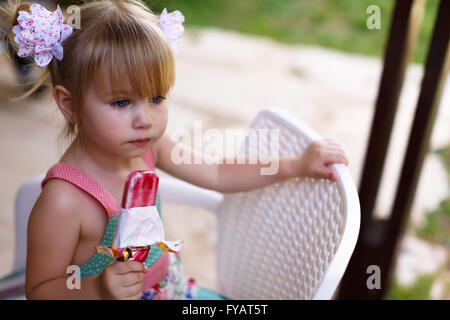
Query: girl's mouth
[140,142]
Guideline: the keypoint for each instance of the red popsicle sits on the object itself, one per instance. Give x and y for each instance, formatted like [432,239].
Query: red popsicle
[140,189]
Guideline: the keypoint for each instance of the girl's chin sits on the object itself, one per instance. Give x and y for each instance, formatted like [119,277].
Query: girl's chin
[136,152]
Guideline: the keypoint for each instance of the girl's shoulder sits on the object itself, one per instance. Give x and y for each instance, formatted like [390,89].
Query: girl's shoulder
[56,207]
[79,184]
[63,192]
[60,197]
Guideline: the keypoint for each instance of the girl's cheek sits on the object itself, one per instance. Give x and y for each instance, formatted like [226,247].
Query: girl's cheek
[115,123]
[114,126]
[162,119]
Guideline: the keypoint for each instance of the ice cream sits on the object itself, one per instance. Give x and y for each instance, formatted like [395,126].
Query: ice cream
[139,224]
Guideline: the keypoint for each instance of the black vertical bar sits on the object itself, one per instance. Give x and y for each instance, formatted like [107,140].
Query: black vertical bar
[424,118]
[397,58]
[353,285]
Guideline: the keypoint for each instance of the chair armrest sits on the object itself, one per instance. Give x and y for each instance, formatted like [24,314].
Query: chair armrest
[176,191]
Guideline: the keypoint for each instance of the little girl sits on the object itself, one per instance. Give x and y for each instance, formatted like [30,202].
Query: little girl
[111,79]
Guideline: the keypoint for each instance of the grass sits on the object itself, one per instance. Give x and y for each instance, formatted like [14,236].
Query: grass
[437,225]
[444,154]
[420,290]
[334,24]
[437,222]
[436,229]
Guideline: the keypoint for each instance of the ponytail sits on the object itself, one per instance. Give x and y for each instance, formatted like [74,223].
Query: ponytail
[8,19]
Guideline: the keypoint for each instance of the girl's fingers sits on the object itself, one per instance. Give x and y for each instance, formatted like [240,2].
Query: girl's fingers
[334,149]
[336,157]
[331,143]
[132,278]
[130,266]
[137,296]
[331,146]
[328,174]
[332,176]
[134,292]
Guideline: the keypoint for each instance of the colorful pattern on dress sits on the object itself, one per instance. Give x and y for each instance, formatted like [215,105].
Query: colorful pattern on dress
[174,286]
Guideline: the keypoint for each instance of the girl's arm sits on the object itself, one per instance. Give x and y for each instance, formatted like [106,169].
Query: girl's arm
[236,175]
[54,290]
[53,234]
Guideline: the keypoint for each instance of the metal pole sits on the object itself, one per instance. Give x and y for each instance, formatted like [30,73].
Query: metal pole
[369,245]
[436,71]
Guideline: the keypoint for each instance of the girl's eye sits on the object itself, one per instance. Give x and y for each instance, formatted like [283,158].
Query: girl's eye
[120,103]
[157,100]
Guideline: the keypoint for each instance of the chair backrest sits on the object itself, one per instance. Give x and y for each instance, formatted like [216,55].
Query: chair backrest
[292,239]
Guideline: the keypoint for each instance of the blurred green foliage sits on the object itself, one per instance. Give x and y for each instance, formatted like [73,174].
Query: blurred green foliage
[437,225]
[338,24]
[420,290]
[444,154]
[436,229]
[437,222]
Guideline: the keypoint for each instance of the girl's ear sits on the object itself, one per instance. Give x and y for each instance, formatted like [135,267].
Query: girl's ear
[64,101]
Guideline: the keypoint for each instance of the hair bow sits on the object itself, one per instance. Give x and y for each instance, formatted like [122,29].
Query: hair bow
[172,26]
[41,32]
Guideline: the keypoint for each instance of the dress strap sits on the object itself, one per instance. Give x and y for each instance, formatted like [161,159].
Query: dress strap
[81,179]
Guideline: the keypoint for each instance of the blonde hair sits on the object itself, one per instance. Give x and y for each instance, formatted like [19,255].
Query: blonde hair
[119,36]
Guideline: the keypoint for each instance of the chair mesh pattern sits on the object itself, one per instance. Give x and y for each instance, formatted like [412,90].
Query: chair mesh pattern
[276,242]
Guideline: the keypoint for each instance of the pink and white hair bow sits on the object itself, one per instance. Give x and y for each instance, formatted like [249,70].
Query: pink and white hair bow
[41,33]
[172,26]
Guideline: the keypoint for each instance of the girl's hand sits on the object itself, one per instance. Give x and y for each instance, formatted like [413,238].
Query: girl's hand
[317,157]
[122,280]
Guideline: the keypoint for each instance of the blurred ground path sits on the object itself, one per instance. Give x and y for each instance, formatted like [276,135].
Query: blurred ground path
[224,79]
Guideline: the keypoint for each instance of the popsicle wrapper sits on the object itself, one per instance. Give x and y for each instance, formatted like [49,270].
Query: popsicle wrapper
[125,254]
[139,224]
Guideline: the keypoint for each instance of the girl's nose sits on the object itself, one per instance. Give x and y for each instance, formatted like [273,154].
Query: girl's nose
[143,117]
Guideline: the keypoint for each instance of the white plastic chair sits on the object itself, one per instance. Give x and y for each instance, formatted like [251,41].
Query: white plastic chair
[289,240]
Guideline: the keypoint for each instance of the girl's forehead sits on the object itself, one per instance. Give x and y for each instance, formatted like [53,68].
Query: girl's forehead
[107,90]
[106,86]
[109,82]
